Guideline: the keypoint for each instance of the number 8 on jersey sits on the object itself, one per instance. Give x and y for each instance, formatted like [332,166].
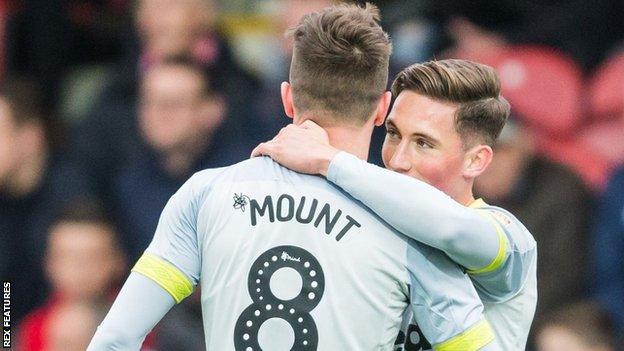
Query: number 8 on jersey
[266,305]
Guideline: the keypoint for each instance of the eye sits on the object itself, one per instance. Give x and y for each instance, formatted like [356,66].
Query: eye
[391,133]
[423,144]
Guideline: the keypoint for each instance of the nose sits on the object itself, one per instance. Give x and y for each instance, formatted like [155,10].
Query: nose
[400,162]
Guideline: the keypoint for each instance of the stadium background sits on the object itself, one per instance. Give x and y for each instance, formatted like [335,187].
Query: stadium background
[74,69]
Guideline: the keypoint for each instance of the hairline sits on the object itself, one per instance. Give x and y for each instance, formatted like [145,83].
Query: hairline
[469,139]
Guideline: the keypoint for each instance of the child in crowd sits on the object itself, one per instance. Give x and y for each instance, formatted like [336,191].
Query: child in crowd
[83,264]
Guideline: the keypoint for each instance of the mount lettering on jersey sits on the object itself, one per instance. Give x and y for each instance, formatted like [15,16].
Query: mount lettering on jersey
[304,211]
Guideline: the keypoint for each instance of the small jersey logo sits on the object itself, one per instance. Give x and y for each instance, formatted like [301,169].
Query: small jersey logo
[501,218]
[240,201]
[285,256]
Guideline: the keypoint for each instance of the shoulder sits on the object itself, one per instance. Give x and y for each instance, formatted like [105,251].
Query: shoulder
[520,238]
[257,169]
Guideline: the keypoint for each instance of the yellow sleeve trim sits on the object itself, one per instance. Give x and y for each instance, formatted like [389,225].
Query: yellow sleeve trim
[500,255]
[472,339]
[164,274]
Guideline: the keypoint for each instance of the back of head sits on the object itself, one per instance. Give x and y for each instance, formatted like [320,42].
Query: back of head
[340,64]
[475,88]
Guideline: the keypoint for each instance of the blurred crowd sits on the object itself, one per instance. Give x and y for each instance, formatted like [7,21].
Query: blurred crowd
[108,106]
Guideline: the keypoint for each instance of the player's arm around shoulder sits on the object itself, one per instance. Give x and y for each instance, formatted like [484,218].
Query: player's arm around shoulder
[420,211]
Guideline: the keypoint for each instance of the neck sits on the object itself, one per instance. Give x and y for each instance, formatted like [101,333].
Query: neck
[29,175]
[355,141]
[466,200]
[464,195]
[352,139]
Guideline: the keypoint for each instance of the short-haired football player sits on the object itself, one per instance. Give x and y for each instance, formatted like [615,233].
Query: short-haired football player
[440,132]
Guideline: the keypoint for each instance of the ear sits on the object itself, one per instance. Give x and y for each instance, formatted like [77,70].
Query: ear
[382,108]
[287,99]
[477,159]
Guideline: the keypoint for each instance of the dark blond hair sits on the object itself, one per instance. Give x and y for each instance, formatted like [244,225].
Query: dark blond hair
[340,62]
[475,88]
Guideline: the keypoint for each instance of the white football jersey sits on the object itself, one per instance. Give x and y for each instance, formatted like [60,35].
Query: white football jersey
[288,261]
[509,293]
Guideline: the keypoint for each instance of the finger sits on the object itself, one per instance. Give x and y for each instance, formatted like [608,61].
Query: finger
[259,150]
[280,132]
[255,152]
[290,128]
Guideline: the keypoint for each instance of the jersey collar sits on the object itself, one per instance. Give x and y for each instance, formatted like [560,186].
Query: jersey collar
[478,203]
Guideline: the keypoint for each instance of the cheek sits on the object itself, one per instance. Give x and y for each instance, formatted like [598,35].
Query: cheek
[387,151]
[439,172]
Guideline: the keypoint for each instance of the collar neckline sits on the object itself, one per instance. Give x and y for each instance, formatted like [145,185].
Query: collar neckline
[478,203]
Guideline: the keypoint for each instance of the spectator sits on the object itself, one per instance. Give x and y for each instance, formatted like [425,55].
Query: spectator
[183,129]
[553,204]
[576,327]
[83,264]
[608,246]
[34,184]
[164,28]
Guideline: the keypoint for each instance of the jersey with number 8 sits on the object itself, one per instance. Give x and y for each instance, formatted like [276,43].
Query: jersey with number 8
[287,261]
